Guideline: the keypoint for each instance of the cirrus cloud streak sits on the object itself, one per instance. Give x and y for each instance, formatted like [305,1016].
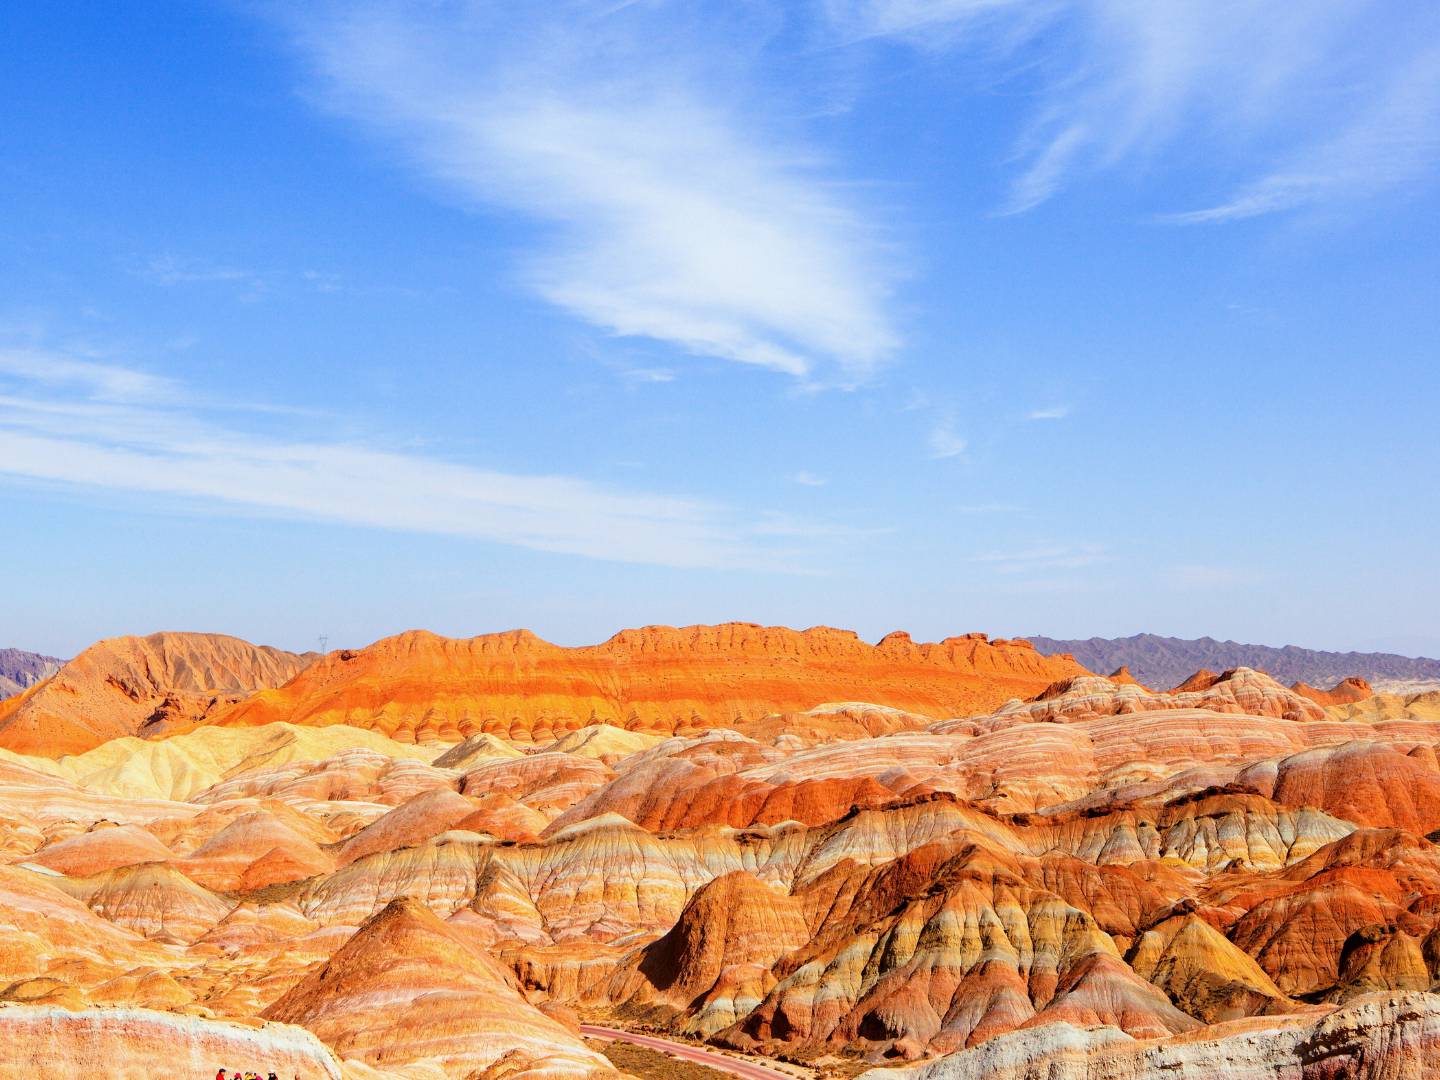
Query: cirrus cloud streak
[93,425]
[672,207]
[1290,105]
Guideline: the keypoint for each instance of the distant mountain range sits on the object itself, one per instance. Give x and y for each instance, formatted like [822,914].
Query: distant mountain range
[1163,662]
[19,669]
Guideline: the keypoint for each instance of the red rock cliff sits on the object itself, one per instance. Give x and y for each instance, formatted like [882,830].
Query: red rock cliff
[419,685]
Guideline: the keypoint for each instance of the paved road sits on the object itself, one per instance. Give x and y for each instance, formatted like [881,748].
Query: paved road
[749,1070]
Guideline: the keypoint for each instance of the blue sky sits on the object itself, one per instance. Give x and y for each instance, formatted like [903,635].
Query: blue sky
[1034,316]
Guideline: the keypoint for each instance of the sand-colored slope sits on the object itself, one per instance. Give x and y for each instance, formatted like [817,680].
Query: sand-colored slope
[1422,706]
[40,923]
[132,685]
[658,679]
[42,1043]
[186,765]
[603,741]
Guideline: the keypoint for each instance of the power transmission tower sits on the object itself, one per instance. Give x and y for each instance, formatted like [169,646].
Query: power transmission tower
[324,640]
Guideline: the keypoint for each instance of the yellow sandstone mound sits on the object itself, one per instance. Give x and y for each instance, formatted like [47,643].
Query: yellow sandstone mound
[603,741]
[186,765]
[1422,706]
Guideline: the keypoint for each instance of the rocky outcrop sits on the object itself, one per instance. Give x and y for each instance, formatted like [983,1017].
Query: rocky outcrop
[1365,782]
[1386,1037]
[1345,692]
[946,946]
[715,962]
[152,899]
[1203,972]
[152,685]
[1240,691]
[408,987]
[260,847]
[416,820]
[100,849]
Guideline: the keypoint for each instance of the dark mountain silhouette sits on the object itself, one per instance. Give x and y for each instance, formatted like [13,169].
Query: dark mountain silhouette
[1163,662]
[19,669]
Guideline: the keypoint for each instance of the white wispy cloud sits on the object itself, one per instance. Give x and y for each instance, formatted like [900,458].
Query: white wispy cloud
[1201,577]
[807,479]
[989,508]
[1042,557]
[94,425]
[171,269]
[93,379]
[646,374]
[1053,412]
[672,208]
[931,23]
[1392,142]
[1300,104]
[945,442]
[174,270]
[1049,164]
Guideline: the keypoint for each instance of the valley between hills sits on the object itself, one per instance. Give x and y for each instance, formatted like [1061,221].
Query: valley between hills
[436,858]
